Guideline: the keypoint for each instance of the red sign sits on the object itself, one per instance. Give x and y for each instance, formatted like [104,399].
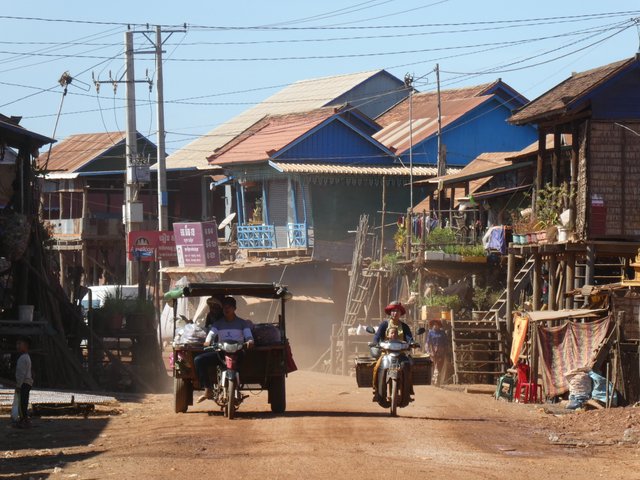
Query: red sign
[197,244]
[166,251]
[151,245]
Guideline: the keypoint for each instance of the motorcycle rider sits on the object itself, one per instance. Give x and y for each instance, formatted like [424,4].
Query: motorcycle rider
[392,329]
[229,328]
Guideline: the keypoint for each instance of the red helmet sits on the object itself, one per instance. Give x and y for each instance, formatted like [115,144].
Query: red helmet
[395,305]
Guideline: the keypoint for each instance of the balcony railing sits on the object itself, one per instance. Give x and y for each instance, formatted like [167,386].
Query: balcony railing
[297,235]
[256,236]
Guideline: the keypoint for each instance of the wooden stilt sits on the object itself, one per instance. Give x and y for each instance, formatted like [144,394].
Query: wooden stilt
[537,280]
[570,277]
[553,281]
[511,271]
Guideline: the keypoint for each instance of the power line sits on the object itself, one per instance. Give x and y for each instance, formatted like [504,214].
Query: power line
[334,13]
[438,2]
[422,25]
[362,27]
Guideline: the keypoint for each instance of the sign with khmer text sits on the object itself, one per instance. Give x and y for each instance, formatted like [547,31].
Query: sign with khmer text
[151,245]
[197,244]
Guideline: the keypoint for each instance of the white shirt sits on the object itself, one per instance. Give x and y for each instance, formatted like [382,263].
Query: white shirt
[235,330]
[23,370]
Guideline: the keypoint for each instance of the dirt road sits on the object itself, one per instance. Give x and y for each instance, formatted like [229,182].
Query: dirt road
[331,430]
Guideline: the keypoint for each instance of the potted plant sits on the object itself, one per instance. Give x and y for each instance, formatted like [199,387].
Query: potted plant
[550,203]
[483,300]
[523,224]
[111,314]
[446,303]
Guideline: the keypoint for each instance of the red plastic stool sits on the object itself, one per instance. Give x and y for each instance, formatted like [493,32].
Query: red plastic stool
[526,391]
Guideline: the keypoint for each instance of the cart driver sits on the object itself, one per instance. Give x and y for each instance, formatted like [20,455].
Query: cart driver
[229,328]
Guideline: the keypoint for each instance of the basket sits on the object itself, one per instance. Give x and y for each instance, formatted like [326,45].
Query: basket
[364,371]
[421,370]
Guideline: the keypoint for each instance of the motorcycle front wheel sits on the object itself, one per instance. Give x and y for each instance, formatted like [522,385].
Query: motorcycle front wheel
[230,407]
[393,409]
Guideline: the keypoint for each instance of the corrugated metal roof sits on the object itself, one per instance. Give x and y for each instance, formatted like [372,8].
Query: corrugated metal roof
[15,135]
[559,98]
[400,111]
[396,133]
[269,135]
[565,140]
[497,192]
[300,96]
[332,169]
[483,167]
[75,151]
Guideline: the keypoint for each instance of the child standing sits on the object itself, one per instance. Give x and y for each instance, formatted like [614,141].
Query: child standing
[437,346]
[24,382]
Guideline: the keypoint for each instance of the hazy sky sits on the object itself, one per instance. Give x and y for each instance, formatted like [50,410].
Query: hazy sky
[531,51]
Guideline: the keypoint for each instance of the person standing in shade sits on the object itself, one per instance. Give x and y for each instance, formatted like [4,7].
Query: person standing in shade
[437,347]
[24,382]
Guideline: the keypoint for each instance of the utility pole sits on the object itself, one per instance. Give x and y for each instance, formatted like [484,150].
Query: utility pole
[441,163]
[131,219]
[163,221]
[408,82]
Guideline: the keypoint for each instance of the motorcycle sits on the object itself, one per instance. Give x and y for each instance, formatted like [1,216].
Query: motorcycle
[394,378]
[226,392]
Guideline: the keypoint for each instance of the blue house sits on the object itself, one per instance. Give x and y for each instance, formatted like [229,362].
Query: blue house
[302,180]
[474,121]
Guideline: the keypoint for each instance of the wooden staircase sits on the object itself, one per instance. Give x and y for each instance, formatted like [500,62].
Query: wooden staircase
[479,350]
[479,346]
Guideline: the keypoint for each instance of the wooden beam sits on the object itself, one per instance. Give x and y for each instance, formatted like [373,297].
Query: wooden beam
[511,260]
[537,281]
[570,276]
[573,185]
[551,289]
[590,264]
[555,159]
[542,144]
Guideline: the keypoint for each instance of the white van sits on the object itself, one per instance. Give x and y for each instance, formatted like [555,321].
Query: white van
[100,292]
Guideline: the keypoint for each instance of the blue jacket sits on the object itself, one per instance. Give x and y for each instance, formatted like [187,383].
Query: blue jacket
[382,329]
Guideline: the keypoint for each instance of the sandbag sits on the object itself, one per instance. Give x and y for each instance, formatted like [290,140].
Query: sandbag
[580,386]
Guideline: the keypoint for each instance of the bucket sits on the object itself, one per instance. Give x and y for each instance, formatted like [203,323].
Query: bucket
[25,313]
[562,234]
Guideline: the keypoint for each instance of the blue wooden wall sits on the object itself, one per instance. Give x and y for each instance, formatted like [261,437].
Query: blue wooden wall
[483,129]
[619,98]
[336,143]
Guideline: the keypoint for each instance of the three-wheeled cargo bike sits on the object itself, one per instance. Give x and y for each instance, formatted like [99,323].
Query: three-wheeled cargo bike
[263,367]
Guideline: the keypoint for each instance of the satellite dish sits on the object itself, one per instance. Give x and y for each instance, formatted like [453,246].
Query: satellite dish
[226,221]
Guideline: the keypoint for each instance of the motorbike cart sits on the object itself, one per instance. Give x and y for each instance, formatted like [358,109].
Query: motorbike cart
[264,367]
[396,362]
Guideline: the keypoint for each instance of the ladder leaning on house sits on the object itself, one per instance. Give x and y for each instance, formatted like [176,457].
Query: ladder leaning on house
[479,346]
[521,281]
[336,357]
[357,296]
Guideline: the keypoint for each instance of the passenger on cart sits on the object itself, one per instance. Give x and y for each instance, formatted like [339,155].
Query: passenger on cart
[229,328]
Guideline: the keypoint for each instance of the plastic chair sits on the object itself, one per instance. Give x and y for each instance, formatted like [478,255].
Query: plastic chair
[526,391]
[508,380]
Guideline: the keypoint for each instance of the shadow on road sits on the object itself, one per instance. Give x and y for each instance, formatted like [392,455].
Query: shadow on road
[29,453]
[299,414]
[35,466]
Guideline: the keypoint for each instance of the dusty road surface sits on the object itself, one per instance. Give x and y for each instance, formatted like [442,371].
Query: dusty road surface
[331,430]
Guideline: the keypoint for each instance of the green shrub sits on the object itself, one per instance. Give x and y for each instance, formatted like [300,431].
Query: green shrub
[441,236]
[450,302]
